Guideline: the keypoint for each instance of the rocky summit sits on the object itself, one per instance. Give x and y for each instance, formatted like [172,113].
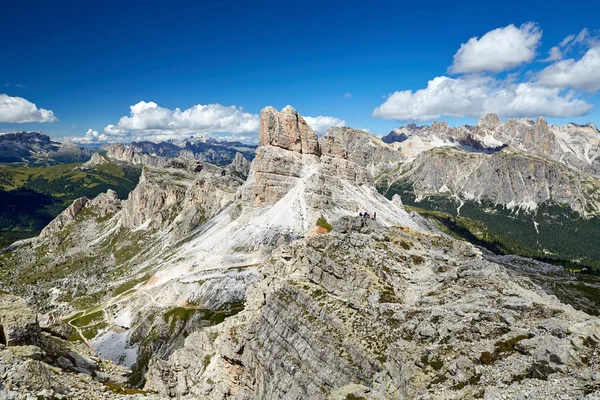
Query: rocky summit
[265,280]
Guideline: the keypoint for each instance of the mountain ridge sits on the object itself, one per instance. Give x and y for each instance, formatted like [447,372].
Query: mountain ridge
[215,282]
[37,148]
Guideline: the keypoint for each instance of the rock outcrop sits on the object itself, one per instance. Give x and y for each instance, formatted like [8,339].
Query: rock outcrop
[64,218]
[510,178]
[42,363]
[287,130]
[97,159]
[55,326]
[330,180]
[541,138]
[18,324]
[127,154]
[361,148]
[518,164]
[240,165]
[388,313]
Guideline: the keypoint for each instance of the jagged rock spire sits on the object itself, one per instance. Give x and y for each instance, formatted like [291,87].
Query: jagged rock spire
[240,165]
[288,130]
[489,121]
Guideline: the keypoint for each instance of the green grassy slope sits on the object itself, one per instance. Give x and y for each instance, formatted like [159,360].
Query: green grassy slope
[554,233]
[32,197]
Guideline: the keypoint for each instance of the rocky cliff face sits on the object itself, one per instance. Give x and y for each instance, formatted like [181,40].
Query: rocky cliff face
[511,178]
[573,145]
[515,164]
[128,154]
[322,179]
[387,313]
[240,165]
[362,149]
[287,130]
[66,217]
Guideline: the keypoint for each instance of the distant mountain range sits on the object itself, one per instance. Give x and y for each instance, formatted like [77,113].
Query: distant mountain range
[521,186]
[35,148]
[39,176]
[209,150]
[38,149]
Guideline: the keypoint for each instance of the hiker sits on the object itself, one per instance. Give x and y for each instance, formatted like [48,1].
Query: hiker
[374,215]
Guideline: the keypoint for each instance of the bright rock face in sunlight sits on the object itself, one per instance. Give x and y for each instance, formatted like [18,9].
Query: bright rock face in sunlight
[171,229]
[206,279]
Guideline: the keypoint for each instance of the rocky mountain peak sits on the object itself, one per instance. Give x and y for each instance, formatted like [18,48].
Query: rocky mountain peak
[439,126]
[240,165]
[25,137]
[540,138]
[288,130]
[489,121]
[589,125]
[541,121]
[97,159]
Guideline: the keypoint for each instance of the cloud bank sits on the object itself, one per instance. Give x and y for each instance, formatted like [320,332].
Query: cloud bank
[554,91]
[148,118]
[20,110]
[321,123]
[474,96]
[149,121]
[498,50]
[582,74]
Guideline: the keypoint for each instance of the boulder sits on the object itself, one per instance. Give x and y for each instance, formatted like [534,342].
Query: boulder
[55,326]
[34,375]
[18,323]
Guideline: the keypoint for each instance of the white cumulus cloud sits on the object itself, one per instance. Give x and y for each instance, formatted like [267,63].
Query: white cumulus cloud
[321,123]
[474,96]
[149,119]
[498,50]
[91,136]
[19,110]
[582,74]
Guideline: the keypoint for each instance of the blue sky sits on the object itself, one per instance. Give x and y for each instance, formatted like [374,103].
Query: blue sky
[88,62]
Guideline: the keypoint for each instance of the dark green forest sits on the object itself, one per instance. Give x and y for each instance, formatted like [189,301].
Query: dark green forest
[31,197]
[553,233]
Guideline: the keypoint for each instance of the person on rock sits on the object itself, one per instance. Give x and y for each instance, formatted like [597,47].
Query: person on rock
[374,215]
